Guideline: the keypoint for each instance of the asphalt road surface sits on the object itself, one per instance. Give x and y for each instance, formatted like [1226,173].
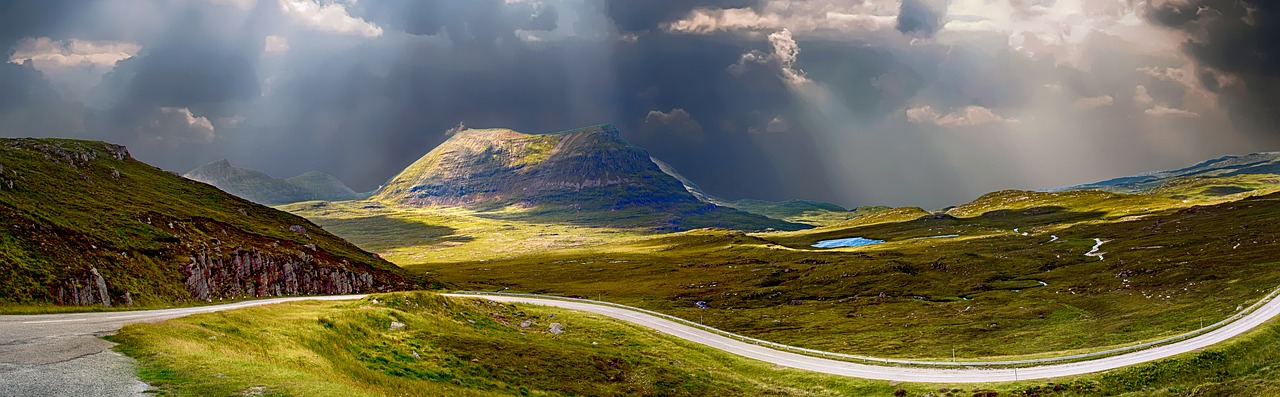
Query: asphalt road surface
[64,354]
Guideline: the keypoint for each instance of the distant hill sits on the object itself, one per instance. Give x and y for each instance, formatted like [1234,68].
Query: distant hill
[258,187]
[589,175]
[85,223]
[1225,166]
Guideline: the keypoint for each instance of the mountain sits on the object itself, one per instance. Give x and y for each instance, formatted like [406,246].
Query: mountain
[587,175]
[258,187]
[1225,166]
[85,223]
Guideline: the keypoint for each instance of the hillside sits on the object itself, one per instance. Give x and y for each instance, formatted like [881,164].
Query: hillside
[587,176]
[258,187]
[86,224]
[1225,166]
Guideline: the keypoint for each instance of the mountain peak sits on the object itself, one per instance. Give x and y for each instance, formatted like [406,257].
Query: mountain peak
[581,170]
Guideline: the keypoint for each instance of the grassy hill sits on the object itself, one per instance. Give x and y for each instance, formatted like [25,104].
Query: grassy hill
[258,187]
[86,224]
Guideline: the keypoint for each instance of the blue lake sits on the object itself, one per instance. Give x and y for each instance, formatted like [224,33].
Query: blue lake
[846,242]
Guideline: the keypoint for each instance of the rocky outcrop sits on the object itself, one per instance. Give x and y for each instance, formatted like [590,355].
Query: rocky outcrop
[89,288]
[252,274]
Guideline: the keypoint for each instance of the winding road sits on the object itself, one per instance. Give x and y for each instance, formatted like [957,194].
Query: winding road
[64,355]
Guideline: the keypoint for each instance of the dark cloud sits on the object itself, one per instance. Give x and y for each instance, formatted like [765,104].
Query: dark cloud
[1234,44]
[474,24]
[24,18]
[363,100]
[922,18]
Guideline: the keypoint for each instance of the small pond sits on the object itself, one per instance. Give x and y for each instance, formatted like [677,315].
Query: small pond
[846,242]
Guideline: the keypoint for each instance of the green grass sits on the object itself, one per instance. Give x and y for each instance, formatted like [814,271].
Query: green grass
[473,347]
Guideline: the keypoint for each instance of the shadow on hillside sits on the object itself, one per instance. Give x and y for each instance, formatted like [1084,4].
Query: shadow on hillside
[664,217]
[381,233]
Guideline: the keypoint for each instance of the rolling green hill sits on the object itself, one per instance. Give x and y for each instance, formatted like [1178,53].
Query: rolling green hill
[86,224]
[258,187]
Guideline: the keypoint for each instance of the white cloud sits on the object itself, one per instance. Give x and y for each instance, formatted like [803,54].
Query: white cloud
[1162,110]
[44,52]
[786,51]
[748,58]
[1141,97]
[172,126]
[1094,102]
[967,116]
[807,16]
[777,125]
[332,17]
[276,44]
[676,121]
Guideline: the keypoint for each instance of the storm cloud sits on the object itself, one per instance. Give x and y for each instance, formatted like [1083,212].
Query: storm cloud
[920,17]
[922,102]
[1234,45]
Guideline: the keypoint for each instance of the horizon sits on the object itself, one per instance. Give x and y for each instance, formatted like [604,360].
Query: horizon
[907,103]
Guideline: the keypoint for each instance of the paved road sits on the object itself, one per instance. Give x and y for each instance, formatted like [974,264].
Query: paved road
[64,354]
[908,374]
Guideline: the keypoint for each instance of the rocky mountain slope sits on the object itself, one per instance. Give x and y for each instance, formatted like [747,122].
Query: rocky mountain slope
[258,187]
[86,224]
[587,175]
[1225,166]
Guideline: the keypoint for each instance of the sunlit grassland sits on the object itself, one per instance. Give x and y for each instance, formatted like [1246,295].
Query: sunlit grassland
[471,347]
[442,234]
[1013,283]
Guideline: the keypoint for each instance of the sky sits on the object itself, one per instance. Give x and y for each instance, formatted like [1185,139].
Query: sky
[855,102]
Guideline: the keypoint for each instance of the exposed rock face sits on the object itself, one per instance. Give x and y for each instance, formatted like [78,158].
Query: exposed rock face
[255,275]
[89,288]
[556,329]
